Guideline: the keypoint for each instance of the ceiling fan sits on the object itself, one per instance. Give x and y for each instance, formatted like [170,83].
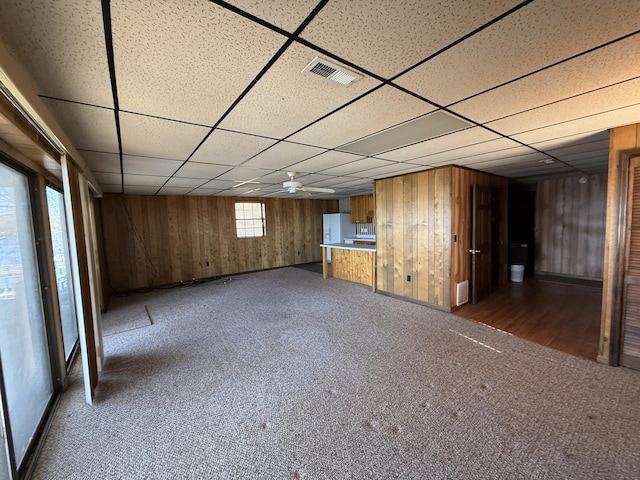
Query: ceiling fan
[293,186]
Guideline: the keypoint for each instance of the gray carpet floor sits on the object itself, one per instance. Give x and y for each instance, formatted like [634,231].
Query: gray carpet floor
[283,375]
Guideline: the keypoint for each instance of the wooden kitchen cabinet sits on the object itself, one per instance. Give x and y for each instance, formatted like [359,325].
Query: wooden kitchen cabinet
[362,209]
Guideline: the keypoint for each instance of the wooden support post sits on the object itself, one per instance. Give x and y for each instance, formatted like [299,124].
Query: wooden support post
[325,265]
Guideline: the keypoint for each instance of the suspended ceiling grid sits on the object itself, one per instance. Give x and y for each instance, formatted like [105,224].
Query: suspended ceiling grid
[207,97]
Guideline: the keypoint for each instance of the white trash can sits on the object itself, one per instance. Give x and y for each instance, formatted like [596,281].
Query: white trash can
[517,273]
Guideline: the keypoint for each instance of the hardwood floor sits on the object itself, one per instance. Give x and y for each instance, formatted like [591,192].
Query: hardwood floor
[560,316]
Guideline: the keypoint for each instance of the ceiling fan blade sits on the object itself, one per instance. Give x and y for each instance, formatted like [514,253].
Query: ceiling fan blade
[318,189]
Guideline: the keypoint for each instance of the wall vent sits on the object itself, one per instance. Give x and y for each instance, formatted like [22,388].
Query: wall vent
[331,72]
[462,293]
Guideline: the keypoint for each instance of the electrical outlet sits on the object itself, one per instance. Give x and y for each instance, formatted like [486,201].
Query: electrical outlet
[408,278]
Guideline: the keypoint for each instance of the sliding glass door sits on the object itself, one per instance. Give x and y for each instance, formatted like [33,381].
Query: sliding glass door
[24,350]
[61,260]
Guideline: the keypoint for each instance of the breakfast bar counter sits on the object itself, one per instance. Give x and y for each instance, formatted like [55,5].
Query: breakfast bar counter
[352,262]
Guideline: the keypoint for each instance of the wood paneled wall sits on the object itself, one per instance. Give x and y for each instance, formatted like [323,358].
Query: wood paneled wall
[423,223]
[570,224]
[158,240]
[413,224]
[624,142]
[462,181]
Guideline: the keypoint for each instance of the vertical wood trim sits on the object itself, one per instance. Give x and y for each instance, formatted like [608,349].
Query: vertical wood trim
[80,271]
[623,142]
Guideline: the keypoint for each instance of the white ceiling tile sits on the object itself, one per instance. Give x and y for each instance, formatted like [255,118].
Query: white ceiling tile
[357,167]
[108,178]
[230,148]
[282,155]
[387,36]
[610,119]
[106,188]
[324,161]
[240,174]
[525,157]
[150,166]
[580,148]
[219,184]
[174,190]
[478,158]
[598,69]
[358,182]
[452,156]
[377,111]
[286,14]
[139,190]
[144,181]
[393,170]
[328,182]
[88,128]
[101,161]
[285,99]
[451,141]
[62,45]
[156,137]
[315,178]
[185,182]
[609,98]
[569,140]
[203,192]
[537,35]
[186,60]
[208,171]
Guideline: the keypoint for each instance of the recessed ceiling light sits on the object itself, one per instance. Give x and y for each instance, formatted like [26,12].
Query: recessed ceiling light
[546,161]
[420,129]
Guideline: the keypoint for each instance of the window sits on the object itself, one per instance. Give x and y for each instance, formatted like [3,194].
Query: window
[250,220]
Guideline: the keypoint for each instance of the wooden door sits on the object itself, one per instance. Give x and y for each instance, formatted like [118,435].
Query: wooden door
[480,242]
[630,332]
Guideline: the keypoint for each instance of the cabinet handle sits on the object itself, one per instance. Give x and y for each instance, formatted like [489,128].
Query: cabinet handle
[474,251]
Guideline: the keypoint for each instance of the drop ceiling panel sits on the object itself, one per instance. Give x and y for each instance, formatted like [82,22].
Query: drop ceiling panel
[451,156]
[144,181]
[570,140]
[392,170]
[207,171]
[610,119]
[472,160]
[536,36]
[174,190]
[102,162]
[149,166]
[88,128]
[240,174]
[532,159]
[358,168]
[286,14]
[230,148]
[108,178]
[386,37]
[286,100]
[203,192]
[139,190]
[451,141]
[185,182]
[161,47]
[219,184]
[44,38]
[282,155]
[609,98]
[324,161]
[106,188]
[156,137]
[598,69]
[384,108]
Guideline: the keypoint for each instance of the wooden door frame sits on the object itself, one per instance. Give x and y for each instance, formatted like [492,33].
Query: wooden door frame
[609,349]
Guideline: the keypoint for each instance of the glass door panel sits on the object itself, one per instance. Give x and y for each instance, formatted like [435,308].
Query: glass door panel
[23,341]
[59,239]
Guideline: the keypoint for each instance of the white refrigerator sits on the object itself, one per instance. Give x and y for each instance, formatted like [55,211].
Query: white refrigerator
[335,227]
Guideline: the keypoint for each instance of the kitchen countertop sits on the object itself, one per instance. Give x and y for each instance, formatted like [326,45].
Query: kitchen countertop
[348,246]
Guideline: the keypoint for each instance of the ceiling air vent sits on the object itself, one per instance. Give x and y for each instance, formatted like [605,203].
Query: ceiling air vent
[331,72]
